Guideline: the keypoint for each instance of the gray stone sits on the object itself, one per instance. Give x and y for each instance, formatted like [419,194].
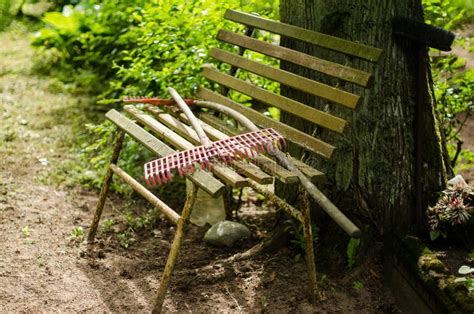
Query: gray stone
[226,233]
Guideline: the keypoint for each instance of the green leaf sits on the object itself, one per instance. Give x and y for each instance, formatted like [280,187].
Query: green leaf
[61,22]
[434,234]
[352,251]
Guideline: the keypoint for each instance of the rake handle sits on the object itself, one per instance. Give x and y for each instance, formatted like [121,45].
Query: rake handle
[157,101]
[192,118]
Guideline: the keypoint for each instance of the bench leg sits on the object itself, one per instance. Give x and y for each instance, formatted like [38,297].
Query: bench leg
[178,238]
[309,250]
[105,187]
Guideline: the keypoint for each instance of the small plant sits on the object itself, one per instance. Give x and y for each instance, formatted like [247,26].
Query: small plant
[77,233]
[352,247]
[357,285]
[125,239]
[468,277]
[295,229]
[453,209]
[26,234]
[25,231]
[106,225]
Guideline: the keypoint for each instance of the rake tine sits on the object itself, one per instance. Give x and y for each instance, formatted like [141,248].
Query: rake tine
[240,147]
[159,177]
[147,182]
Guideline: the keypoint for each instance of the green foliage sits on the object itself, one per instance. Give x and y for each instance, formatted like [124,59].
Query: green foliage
[448,14]
[126,239]
[139,47]
[352,247]
[133,47]
[454,85]
[77,233]
[106,225]
[94,156]
[133,223]
[5,15]
[357,285]
[25,231]
[296,231]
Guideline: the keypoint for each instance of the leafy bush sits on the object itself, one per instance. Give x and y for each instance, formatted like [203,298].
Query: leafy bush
[137,47]
[454,86]
[117,48]
[448,14]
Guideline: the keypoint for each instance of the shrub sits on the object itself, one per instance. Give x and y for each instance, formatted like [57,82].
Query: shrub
[133,47]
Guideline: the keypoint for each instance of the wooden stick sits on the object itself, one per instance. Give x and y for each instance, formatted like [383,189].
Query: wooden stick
[105,186]
[278,202]
[192,118]
[309,250]
[155,201]
[178,238]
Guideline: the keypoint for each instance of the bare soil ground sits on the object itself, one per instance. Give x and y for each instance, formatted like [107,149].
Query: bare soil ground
[44,269]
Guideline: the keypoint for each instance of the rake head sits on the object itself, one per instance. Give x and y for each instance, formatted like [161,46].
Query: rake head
[242,146]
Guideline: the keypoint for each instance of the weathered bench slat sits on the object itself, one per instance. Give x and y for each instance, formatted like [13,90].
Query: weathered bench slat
[188,133]
[319,39]
[227,175]
[315,88]
[298,137]
[330,68]
[294,107]
[314,174]
[203,179]
[155,201]
[268,164]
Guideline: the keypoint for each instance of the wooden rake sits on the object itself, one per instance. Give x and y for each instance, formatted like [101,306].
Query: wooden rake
[242,146]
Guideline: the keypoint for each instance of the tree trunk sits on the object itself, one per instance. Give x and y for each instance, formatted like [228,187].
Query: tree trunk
[376,173]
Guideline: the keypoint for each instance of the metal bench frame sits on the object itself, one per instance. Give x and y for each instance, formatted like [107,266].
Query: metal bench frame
[262,170]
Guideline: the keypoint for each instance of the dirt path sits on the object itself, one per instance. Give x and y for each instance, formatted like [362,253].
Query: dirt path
[38,266]
[43,270]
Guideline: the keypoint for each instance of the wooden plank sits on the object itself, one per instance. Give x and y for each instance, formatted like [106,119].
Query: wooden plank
[203,179]
[298,137]
[289,105]
[314,174]
[304,84]
[187,132]
[322,40]
[155,201]
[266,163]
[330,68]
[226,174]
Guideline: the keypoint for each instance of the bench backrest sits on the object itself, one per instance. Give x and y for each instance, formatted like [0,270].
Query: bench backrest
[318,89]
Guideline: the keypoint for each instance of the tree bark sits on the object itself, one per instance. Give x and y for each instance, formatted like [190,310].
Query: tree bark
[374,172]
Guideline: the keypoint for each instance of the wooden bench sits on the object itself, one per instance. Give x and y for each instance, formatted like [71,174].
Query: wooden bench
[175,130]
